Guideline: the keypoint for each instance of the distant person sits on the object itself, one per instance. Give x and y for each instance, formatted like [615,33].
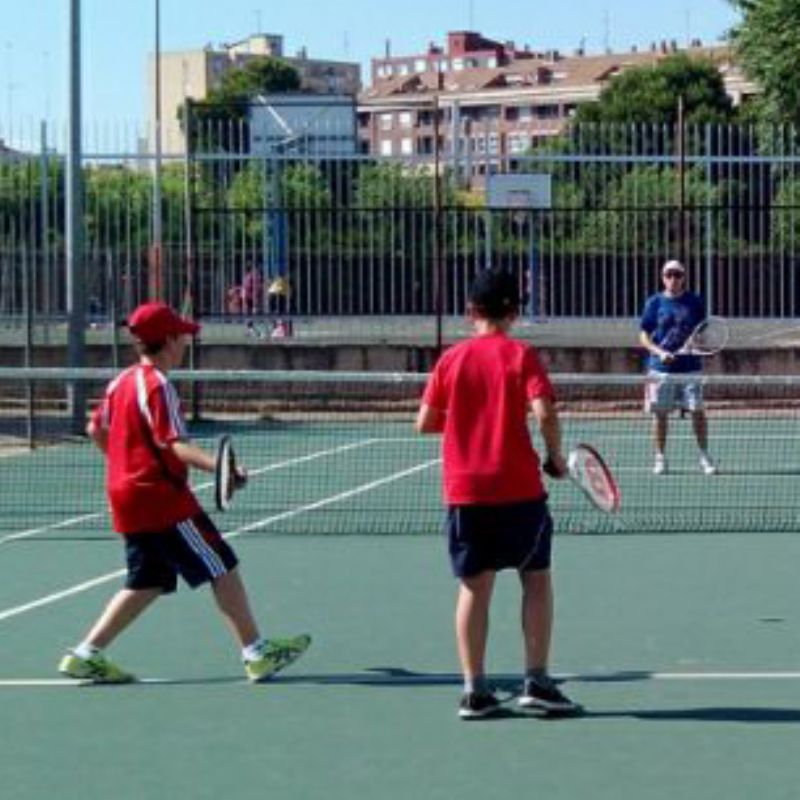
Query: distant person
[253,291]
[668,320]
[139,426]
[278,299]
[478,397]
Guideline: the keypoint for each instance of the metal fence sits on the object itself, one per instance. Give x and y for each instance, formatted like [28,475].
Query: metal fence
[364,236]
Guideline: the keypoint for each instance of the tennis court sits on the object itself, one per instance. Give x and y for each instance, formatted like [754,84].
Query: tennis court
[684,647]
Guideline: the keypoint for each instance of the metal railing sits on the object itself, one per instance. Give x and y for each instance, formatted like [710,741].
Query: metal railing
[380,237]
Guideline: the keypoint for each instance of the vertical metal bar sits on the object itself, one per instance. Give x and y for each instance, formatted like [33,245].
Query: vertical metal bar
[438,278]
[710,287]
[76,289]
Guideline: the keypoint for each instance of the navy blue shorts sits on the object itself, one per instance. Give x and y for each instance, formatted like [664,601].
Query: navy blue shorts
[193,549]
[495,537]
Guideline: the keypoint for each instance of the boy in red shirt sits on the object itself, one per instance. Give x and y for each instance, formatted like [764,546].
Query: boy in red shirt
[139,426]
[479,396]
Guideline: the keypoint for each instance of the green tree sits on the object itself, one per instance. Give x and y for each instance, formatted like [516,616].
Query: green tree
[650,94]
[641,215]
[767,42]
[220,121]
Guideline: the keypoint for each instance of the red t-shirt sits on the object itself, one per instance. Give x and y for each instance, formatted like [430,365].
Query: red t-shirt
[485,385]
[148,486]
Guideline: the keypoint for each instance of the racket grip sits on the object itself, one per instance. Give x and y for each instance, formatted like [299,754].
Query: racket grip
[551,469]
[240,478]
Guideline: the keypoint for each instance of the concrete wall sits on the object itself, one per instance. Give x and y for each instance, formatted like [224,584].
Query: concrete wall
[415,358]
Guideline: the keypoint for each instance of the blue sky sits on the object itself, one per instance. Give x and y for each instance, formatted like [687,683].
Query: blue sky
[118,34]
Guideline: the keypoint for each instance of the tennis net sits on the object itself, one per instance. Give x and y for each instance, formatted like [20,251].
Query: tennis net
[335,453]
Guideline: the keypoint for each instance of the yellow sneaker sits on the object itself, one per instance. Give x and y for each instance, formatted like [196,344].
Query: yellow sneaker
[97,669]
[277,655]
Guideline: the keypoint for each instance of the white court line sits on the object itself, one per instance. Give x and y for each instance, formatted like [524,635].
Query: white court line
[263,523]
[12,537]
[365,487]
[426,680]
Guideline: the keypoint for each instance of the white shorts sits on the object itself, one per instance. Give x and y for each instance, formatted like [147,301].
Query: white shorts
[665,392]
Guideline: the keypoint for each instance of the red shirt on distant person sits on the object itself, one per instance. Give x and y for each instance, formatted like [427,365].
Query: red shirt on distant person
[485,385]
[147,484]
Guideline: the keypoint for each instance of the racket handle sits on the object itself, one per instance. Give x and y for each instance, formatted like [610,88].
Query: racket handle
[551,468]
[240,477]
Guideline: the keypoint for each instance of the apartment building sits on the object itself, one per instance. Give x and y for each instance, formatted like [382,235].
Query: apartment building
[193,73]
[495,99]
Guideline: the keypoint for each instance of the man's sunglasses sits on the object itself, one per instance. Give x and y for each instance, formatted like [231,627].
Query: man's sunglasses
[674,275]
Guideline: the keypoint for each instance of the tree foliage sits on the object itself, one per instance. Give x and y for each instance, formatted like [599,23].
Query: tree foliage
[220,121]
[767,42]
[650,94]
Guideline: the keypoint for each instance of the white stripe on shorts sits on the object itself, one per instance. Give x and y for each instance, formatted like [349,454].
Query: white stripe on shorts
[198,544]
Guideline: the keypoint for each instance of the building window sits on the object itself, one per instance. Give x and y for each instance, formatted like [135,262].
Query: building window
[518,142]
[403,69]
[404,118]
[387,120]
[458,64]
[421,65]
[386,147]
[407,146]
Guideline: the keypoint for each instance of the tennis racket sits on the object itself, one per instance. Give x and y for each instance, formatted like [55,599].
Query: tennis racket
[587,470]
[707,339]
[228,476]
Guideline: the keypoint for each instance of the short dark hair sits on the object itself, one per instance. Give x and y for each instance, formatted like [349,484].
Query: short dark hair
[148,348]
[494,294]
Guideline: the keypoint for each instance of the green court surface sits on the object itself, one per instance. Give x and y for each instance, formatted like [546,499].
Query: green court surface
[684,649]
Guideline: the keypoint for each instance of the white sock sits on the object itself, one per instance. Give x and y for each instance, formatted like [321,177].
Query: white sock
[86,650]
[254,650]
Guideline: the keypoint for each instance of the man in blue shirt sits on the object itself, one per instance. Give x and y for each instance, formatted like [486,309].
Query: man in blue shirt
[668,320]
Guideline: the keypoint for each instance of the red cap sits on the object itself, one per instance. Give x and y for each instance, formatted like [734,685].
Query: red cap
[155,322]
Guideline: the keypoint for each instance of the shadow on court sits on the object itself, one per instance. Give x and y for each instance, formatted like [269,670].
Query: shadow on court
[769,716]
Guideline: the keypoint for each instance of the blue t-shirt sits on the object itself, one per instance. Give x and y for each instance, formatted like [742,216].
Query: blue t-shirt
[669,321]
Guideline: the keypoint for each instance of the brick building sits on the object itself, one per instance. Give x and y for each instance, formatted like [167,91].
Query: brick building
[494,98]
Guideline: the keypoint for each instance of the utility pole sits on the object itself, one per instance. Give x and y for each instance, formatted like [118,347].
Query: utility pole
[156,278]
[76,270]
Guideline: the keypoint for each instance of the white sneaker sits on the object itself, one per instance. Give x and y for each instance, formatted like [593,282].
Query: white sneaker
[707,465]
[660,465]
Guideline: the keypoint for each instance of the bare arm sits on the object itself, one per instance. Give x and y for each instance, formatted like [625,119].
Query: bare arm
[98,435]
[192,455]
[547,419]
[429,420]
[652,347]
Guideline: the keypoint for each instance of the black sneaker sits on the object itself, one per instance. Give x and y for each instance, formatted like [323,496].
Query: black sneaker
[548,698]
[475,705]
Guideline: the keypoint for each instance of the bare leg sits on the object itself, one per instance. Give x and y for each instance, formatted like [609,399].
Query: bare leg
[231,597]
[660,429]
[123,608]
[472,622]
[700,426]
[537,617]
